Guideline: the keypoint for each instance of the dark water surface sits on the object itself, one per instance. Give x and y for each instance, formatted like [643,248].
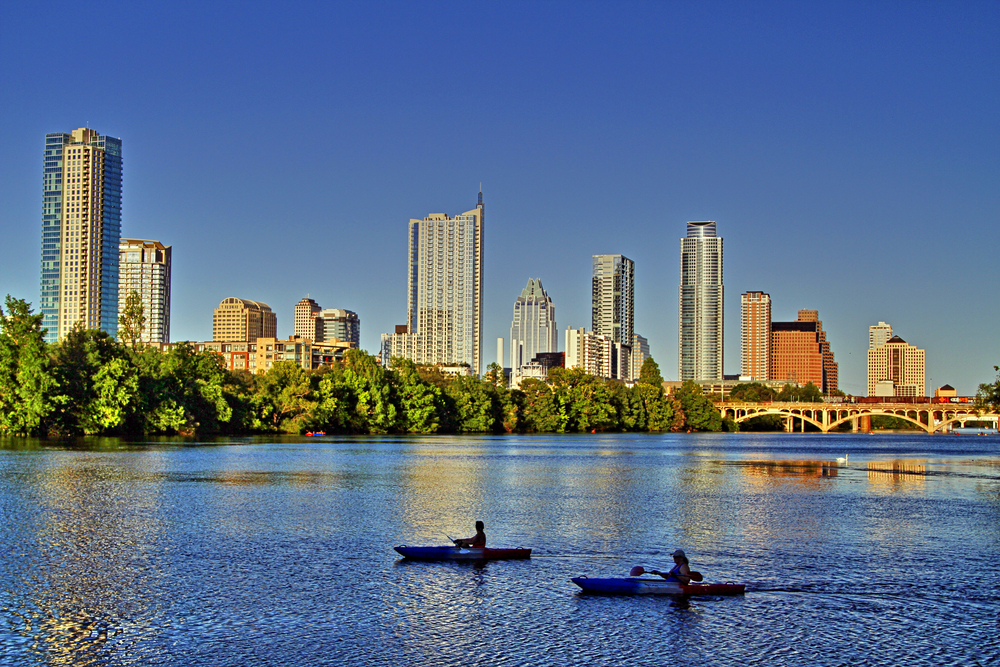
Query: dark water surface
[279,552]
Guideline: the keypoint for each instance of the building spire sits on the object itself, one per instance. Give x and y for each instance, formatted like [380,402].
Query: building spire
[480,204]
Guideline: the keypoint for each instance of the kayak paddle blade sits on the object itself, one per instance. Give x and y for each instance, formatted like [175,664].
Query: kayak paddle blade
[637,571]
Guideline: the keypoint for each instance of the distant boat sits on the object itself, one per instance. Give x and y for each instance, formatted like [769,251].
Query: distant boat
[315,433]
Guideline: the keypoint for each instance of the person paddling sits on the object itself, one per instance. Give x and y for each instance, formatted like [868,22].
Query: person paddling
[477,541]
[680,572]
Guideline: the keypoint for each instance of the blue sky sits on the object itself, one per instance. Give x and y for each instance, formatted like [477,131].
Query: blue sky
[848,151]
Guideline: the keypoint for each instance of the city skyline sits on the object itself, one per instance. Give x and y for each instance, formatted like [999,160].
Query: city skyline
[814,135]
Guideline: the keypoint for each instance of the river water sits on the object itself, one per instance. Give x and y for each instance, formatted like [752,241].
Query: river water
[279,551]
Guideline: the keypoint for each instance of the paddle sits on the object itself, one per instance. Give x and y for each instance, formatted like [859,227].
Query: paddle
[639,570]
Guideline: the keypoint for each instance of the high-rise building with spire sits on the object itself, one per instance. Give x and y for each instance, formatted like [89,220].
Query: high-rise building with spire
[81,229]
[701,321]
[533,327]
[444,292]
[613,308]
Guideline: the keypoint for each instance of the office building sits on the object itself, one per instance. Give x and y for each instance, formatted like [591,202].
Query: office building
[81,230]
[533,327]
[336,324]
[878,335]
[896,368]
[144,268]
[701,324]
[755,336]
[801,354]
[260,355]
[242,320]
[613,307]
[307,324]
[444,292]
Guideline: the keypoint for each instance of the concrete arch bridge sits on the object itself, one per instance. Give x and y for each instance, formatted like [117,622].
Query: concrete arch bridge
[931,417]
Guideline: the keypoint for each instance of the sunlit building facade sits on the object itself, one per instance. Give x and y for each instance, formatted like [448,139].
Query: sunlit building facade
[81,230]
[613,307]
[896,368]
[755,336]
[239,320]
[533,326]
[144,268]
[701,323]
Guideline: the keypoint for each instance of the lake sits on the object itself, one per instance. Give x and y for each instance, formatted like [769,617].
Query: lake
[278,551]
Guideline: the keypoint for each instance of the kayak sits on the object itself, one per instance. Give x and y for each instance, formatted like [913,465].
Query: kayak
[643,586]
[461,553]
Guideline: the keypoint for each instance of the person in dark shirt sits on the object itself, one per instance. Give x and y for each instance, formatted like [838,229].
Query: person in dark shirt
[477,541]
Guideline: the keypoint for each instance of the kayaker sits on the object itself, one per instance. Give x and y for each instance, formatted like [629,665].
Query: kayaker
[477,541]
[680,572]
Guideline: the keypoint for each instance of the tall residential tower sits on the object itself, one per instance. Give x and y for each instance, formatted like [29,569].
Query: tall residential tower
[444,322]
[81,229]
[613,307]
[145,269]
[701,294]
[755,336]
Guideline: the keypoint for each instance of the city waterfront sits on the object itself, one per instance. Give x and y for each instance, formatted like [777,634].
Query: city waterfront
[856,549]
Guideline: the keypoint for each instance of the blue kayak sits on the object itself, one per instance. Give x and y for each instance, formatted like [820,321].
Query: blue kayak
[461,553]
[644,586]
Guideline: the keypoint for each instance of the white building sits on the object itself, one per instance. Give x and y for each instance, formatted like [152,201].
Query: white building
[878,335]
[613,308]
[640,352]
[144,268]
[445,292]
[533,327]
[701,323]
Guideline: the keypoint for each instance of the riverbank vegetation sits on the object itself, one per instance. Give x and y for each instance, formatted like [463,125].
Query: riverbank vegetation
[90,383]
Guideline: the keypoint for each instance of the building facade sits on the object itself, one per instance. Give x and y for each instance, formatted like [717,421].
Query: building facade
[242,320]
[878,335]
[533,326]
[260,355]
[613,307]
[306,324]
[831,374]
[81,230]
[801,354]
[590,351]
[444,292]
[640,352]
[335,324]
[144,268]
[755,336]
[701,322]
[896,368]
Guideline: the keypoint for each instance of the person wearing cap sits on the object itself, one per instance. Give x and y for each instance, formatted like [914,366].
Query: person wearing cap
[680,572]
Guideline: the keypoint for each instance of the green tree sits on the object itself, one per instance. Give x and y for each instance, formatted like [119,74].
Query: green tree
[283,398]
[421,403]
[28,386]
[132,321]
[476,407]
[584,400]
[540,412]
[988,396]
[752,392]
[99,381]
[373,410]
[650,373]
[699,412]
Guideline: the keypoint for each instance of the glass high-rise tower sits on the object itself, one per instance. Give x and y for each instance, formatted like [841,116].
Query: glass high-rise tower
[81,229]
[533,328]
[701,294]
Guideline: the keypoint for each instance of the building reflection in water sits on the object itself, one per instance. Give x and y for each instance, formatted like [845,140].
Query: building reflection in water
[896,474]
[89,564]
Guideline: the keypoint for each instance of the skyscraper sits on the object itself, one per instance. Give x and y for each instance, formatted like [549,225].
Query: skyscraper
[896,368]
[879,334]
[306,323]
[81,228]
[613,307]
[338,324]
[755,336]
[701,295]
[144,268]
[533,328]
[445,292]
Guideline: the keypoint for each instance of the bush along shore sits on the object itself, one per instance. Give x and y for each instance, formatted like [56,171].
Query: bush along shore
[91,384]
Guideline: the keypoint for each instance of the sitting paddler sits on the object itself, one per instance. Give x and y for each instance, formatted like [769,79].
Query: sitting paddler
[681,572]
[477,541]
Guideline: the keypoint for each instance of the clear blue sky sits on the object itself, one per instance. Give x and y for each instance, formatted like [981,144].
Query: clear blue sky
[848,151]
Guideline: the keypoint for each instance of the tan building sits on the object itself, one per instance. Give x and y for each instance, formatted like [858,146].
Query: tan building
[945,391]
[260,355]
[755,336]
[306,324]
[899,363]
[144,268]
[589,351]
[243,320]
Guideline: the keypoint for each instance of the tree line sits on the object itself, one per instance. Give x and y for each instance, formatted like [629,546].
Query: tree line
[90,383]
